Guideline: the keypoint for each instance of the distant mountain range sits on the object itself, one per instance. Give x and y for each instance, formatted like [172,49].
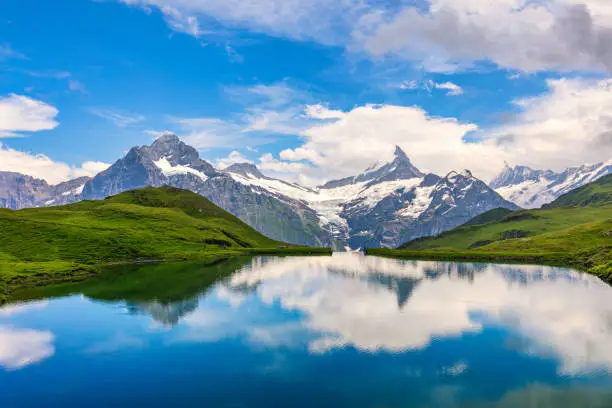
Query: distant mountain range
[530,188]
[385,206]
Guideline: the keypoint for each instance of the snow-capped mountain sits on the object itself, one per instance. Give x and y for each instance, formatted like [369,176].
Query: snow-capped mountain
[386,205]
[530,188]
[170,161]
[20,191]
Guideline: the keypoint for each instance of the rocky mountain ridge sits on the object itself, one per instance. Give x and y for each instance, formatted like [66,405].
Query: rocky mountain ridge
[530,188]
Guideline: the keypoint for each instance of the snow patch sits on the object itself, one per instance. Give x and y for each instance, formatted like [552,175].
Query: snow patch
[419,204]
[169,170]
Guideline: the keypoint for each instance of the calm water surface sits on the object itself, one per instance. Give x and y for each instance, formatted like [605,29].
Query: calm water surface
[341,331]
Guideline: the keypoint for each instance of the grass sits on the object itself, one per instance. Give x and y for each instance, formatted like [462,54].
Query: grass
[72,242]
[579,235]
[165,282]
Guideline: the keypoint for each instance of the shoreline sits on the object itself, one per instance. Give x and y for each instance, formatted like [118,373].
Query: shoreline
[23,275]
[544,259]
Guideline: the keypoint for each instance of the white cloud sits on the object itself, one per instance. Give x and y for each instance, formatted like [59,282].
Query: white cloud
[20,348]
[120,119]
[526,35]
[42,167]
[23,114]
[234,157]
[569,125]
[451,88]
[369,134]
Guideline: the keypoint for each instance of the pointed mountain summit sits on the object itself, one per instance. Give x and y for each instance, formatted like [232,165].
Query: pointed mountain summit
[166,161]
[401,168]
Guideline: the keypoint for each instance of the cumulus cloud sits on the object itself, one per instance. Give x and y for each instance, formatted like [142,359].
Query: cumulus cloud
[574,115]
[368,134]
[20,348]
[569,125]
[42,167]
[20,113]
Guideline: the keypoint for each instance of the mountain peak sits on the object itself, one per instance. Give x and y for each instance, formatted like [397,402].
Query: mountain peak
[400,154]
[516,175]
[452,176]
[167,138]
[401,168]
[245,169]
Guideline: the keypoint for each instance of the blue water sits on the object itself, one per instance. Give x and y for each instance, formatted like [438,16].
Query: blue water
[341,331]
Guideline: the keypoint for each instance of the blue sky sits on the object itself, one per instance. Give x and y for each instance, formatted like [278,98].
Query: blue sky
[307,89]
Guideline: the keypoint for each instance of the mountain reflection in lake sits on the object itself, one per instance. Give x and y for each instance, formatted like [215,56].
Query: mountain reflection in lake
[346,330]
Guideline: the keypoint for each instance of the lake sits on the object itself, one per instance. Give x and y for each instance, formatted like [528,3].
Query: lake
[340,331]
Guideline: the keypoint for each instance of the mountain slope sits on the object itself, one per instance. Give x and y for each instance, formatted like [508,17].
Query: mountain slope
[596,193]
[530,188]
[152,223]
[580,235]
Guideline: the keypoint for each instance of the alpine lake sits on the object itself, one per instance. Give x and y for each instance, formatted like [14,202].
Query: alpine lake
[346,330]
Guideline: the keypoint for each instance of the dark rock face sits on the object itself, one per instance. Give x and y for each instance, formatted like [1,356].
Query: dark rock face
[138,169]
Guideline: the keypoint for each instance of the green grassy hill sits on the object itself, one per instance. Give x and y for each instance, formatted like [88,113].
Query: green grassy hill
[574,230]
[48,244]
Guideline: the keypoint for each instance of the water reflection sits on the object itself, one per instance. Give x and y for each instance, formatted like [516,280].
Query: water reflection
[22,347]
[350,329]
[376,304]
